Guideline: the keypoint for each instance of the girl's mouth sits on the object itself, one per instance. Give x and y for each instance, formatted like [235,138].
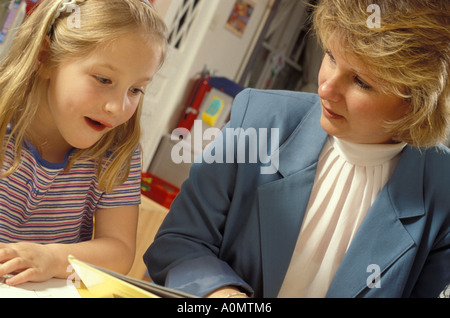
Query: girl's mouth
[96,125]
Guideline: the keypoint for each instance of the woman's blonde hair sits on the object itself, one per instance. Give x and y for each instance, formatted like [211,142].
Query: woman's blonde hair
[409,51]
[101,21]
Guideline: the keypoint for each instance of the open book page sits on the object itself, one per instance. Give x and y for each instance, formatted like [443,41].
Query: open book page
[53,288]
[103,283]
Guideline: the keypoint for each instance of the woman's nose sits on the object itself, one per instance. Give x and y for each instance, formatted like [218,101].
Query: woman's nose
[331,89]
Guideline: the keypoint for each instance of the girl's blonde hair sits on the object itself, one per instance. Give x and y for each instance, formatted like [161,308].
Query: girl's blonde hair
[409,51]
[101,21]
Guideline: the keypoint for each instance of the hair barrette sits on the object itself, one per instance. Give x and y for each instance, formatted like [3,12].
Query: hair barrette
[61,8]
[148,3]
[66,3]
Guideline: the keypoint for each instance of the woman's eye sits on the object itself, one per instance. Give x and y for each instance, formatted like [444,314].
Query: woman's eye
[331,57]
[361,83]
[357,80]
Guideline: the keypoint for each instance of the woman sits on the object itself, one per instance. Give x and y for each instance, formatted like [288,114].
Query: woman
[358,206]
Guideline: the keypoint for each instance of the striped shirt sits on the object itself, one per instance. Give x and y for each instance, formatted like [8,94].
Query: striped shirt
[42,203]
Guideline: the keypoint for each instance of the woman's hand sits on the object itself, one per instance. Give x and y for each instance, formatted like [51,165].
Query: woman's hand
[227,292]
[26,262]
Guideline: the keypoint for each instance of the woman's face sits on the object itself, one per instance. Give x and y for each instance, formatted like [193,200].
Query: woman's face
[353,106]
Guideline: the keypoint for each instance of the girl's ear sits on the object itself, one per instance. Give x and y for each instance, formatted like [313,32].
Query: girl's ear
[42,64]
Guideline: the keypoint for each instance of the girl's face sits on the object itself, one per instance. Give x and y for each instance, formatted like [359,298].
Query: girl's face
[90,96]
[353,106]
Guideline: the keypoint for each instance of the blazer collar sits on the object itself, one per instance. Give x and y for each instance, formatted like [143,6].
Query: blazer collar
[282,203]
[303,147]
[406,185]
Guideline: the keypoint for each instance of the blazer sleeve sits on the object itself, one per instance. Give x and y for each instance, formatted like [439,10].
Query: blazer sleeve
[188,252]
[185,252]
[435,273]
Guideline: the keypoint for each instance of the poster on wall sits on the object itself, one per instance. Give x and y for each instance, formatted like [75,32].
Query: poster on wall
[240,16]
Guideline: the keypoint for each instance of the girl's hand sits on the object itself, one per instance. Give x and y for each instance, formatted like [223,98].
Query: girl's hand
[113,248]
[26,262]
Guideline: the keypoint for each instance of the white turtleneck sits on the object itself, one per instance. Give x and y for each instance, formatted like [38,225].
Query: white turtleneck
[348,179]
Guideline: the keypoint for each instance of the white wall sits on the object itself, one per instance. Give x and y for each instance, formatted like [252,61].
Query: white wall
[162,6]
[167,89]
[223,51]
[208,44]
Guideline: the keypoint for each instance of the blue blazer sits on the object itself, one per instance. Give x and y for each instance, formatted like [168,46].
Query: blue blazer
[233,225]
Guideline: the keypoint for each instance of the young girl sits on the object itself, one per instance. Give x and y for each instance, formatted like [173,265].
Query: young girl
[71,89]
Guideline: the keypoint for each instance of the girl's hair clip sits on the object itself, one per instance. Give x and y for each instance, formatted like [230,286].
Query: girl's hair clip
[65,3]
[148,3]
[61,9]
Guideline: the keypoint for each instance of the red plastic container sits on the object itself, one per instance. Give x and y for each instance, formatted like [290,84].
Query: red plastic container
[31,5]
[158,190]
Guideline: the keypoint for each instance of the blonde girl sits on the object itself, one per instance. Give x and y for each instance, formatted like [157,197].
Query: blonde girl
[72,88]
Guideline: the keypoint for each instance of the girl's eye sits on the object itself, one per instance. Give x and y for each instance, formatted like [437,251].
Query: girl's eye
[103,80]
[136,91]
[361,83]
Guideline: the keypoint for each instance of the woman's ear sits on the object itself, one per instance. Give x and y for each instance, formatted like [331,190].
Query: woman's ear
[407,104]
[42,64]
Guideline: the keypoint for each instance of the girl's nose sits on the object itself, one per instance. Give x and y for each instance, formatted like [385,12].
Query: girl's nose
[116,105]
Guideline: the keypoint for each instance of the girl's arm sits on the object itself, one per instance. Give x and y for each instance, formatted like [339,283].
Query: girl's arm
[113,247]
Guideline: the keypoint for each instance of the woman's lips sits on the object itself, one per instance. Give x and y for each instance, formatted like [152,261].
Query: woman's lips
[96,124]
[329,114]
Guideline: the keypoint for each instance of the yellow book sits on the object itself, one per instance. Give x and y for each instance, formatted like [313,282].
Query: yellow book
[103,283]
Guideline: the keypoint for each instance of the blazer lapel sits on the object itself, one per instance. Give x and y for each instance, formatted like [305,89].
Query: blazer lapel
[282,203]
[382,237]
